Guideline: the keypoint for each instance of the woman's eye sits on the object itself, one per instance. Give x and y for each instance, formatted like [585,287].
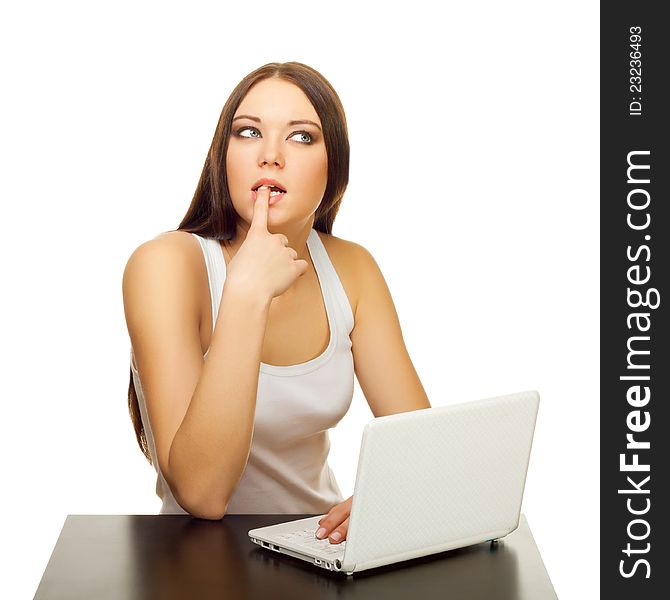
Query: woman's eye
[304,134]
[240,131]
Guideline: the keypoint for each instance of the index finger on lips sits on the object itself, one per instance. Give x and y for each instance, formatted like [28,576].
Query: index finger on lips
[259,219]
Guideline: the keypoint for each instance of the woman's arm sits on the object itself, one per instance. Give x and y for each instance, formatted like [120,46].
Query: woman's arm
[383,367]
[201,410]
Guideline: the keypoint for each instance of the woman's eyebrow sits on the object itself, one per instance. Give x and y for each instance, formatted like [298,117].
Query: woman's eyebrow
[298,122]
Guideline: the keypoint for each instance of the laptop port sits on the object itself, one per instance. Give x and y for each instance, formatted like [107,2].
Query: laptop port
[317,561]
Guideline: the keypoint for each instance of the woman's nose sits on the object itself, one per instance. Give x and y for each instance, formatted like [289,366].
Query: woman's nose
[271,153]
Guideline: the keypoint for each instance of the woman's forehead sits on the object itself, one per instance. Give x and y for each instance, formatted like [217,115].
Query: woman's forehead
[277,100]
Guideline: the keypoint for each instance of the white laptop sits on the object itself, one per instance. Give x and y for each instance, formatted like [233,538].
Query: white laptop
[428,481]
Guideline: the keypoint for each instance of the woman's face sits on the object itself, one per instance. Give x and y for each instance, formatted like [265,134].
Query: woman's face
[265,144]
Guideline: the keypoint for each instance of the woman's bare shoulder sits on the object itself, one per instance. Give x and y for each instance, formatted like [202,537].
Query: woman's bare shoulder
[170,261]
[350,254]
[177,240]
[167,247]
[334,243]
[351,261]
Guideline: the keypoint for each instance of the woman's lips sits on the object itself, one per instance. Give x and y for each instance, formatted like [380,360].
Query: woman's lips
[273,199]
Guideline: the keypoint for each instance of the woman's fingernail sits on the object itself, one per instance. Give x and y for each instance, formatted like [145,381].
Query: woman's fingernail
[336,536]
[321,532]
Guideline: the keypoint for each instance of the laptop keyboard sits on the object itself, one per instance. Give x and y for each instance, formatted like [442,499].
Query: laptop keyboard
[307,539]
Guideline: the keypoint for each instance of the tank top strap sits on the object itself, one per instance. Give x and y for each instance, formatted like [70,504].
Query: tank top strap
[216,271]
[333,290]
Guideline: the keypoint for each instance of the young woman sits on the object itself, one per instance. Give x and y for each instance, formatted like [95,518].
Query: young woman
[248,323]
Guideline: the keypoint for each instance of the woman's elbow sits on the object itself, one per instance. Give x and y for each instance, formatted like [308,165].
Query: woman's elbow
[202,508]
[209,513]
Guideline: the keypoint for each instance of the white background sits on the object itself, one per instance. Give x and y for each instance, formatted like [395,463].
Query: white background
[474,184]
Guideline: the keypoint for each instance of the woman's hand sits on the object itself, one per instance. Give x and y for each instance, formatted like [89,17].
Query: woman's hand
[264,264]
[336,523]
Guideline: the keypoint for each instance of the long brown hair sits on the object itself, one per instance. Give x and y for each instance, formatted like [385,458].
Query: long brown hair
[211,213]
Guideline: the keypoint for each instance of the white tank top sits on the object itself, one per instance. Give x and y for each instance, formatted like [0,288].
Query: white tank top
[287,469]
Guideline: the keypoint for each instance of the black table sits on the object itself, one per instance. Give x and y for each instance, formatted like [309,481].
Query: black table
[173,556]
